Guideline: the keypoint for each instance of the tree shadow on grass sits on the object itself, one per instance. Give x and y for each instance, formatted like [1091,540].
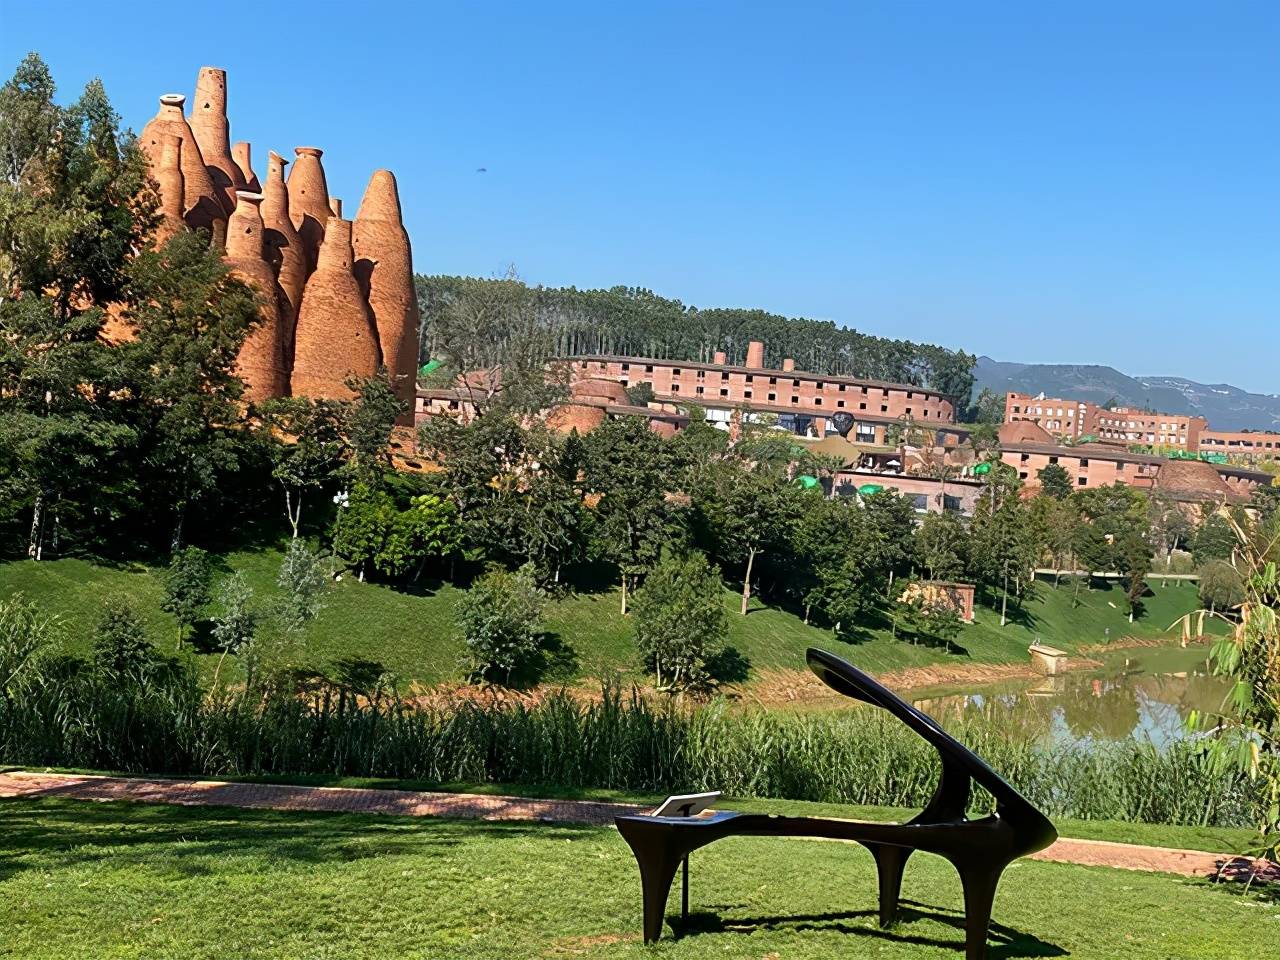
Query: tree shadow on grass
[74,832]
[729,666]
[1002,941]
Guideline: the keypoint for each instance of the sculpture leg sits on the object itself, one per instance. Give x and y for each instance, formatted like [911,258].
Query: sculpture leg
[890,862]
[979,895]
[658,866]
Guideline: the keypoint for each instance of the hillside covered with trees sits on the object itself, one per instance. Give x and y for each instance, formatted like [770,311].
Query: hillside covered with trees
[633,321]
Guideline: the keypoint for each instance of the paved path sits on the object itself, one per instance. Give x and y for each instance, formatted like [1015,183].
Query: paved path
[411,803]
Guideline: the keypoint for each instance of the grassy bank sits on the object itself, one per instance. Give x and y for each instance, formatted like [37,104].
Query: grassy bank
[121,880]
[413,633]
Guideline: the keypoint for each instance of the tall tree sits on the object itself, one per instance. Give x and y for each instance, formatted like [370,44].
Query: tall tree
[629,468]
[749,510]
[1055,481]
[940,545]
[187,588]
[680,624]
[307,451]
[191,318]
[74,203]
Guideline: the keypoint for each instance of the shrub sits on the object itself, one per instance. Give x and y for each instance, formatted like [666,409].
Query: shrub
[500,617]
[680,623]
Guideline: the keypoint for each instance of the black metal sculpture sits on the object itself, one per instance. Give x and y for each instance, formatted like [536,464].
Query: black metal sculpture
[978,849]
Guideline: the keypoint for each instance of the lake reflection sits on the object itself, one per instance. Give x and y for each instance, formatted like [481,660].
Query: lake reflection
[1144,695]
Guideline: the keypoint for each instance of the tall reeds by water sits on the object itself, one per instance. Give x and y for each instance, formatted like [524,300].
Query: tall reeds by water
[623,741]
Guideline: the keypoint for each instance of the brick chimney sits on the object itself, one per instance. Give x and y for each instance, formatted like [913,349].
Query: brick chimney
[755,355]
[720,358]
[788,365]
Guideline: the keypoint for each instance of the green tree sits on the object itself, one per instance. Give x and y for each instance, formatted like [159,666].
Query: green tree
[925,614]
[501,622]
[307,451]
[120,645]
[302,581]
[940,545]
[74,203]
[680,623]
[187,585]
[1248,727]
[235,624]
[191,318]
[1213,539]
[749,510]
[1055,481]
[987,408]
[640,394]
[630,469]
[1168,522]
[366,424]
[1221,586]
[1003,545]
[373,531]
[1134,554]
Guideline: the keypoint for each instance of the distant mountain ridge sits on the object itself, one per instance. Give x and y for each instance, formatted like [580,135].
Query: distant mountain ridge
[1224,406]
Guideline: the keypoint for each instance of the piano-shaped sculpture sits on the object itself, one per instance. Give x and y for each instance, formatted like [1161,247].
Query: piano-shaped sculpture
[979,849]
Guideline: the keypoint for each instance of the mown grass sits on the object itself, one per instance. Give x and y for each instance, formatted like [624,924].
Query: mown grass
[127,881]
[1183,837]
[413,633]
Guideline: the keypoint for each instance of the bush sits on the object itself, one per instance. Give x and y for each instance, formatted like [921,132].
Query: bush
[500,617]
[680,623]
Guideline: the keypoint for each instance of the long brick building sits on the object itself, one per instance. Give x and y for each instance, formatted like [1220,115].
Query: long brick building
[803,401]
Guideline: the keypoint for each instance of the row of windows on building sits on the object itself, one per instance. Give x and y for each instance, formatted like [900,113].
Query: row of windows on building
[727,392]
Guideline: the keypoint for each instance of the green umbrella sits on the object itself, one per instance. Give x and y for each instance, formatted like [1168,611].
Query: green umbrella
[982,468]
[869,488]
[807,482]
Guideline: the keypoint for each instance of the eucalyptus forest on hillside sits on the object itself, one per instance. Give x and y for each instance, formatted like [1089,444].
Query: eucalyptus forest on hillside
[632,321]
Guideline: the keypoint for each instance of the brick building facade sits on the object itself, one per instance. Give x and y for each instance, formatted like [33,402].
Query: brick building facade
[786,392]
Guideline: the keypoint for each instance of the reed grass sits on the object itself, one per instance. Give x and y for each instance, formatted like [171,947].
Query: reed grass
[622,741]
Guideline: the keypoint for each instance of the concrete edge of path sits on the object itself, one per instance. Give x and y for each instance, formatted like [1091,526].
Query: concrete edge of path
[414,803]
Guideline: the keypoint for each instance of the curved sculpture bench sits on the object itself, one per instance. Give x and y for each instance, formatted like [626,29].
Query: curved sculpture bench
[979,849]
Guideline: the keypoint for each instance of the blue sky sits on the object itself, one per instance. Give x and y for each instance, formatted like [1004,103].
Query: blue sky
[1057,182]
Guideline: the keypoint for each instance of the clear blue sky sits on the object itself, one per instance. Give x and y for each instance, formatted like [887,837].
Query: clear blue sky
[1057,182]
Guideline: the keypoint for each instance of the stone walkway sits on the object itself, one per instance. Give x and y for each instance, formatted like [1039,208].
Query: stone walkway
[410,803]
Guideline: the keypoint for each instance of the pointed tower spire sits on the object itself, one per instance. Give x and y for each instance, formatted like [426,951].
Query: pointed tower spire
[169,175]
[309,201]
[384,270]
[261,361]
[284,248]
[240,151]
[200,206]
[212,132]
[335,337]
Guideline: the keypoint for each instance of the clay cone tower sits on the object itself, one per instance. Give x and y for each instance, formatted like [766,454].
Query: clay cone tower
[200,206]
[169,175]
[240,152]
[384,270]
[261,360]
[335,337]
[309,201]
[212,132]
[284,250]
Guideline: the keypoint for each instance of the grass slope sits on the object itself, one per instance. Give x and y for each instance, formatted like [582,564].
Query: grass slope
[130,881]
[414,634]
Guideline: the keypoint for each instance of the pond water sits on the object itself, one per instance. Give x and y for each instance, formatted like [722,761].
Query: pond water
[1143,693]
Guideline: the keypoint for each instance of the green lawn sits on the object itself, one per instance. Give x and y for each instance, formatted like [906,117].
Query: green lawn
[1211,839]
[413,634]
[116,880]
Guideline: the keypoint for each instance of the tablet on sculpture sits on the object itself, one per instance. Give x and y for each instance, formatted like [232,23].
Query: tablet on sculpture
[686,804]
